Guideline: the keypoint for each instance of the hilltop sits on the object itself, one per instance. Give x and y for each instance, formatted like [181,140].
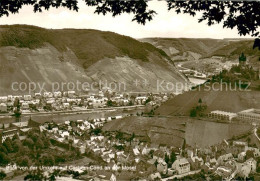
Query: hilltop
[33,54]
[207,55]
[198,48]
[225,100]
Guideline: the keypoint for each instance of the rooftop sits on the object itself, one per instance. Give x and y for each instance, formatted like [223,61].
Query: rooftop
[255,112]
[224,113]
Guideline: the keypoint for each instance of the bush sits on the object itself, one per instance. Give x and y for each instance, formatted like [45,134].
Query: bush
[24,161]
[193,112]
[2,175]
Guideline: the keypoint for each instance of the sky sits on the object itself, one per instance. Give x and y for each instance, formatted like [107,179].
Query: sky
[164,24]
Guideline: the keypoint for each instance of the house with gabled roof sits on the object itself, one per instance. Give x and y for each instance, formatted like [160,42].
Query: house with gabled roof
[181,165]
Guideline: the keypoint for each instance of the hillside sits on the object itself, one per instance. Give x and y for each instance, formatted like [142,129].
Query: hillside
[207,55]
[156,130]
[33,54]
[193,49]
[231,101]
[173,130]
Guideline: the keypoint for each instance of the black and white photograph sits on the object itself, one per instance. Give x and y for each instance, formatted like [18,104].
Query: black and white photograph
[129,90]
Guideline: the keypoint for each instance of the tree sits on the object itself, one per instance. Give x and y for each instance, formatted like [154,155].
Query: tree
[119,135]
[193,112]
[35,175]
[8,145]
[156,163]
[148,100]
[34,137]
[130,103]
[17,144]
[96,131]
[2,175]
[46,142]
[28,142]
[39,144]
[110,103]
[24,150]
[151,153]
[166,158]
[70,144]
[53,175]
[4,159]
[17,105]
[173,157]
[200,101]
[243,15]
[3,149]
[48,160]
[24,161]
[242,58]
[257,44]
[183,147]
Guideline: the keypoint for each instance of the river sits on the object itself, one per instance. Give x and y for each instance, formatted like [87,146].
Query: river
[59,118]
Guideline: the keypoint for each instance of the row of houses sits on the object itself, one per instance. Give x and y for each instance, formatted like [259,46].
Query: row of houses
[249,115]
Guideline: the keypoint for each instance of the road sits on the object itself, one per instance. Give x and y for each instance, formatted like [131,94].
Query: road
[255,133]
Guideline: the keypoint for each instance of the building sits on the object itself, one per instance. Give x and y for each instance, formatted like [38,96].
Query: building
[162,167]
[141,99]
[238,147]
[181,165]
[25,106]
[38,95]
[9,98]
[8,133]
[251,115]
[3,107]
[3,99]
[66,105]
[224,172]
[57,94]
[27,97]
[97,103]
[71,93]
[222,115]
[248,167]
[47,94]
[224,158]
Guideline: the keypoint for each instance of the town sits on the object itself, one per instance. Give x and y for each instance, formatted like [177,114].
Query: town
[70,101]
[129,90]
[115,155]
